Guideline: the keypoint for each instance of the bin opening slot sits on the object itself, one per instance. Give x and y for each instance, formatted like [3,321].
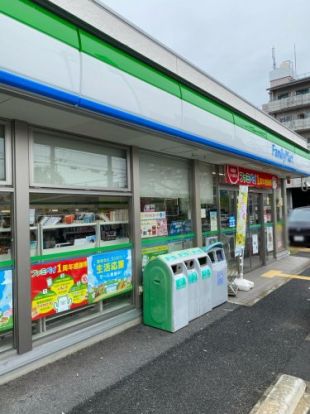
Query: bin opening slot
[202,260]
[190,264]
[219,255]
[177,269]
[212,257]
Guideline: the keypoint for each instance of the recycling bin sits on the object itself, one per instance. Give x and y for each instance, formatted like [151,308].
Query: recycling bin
[193,281]
[165,293]
[219,289]
[199,270]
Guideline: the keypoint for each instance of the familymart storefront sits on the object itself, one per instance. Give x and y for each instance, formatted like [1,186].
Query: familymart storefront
[105,162]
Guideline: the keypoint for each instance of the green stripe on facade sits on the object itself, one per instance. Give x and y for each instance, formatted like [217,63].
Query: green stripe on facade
[7,263]
[211,233]
[101,50]
[166,239]
[205,103]
[41,19]
[45,21]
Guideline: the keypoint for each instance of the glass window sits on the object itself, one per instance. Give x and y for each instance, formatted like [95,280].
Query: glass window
[2,153]
[228,213]
[302,91]
[81,264]
[165,201]
[283,95]
[280,218]
[65,162]
[68,223]
[6,273]
[209,219]
[268,222]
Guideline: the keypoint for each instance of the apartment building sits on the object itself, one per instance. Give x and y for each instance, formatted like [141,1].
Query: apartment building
[289,103]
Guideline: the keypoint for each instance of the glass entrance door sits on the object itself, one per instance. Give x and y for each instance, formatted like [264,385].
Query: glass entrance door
[228,214]
[253,253]
[268,226]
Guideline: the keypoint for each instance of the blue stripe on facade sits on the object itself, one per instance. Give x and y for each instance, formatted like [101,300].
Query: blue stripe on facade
[69,98]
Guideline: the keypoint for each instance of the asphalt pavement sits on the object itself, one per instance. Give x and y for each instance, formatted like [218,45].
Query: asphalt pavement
[225,367]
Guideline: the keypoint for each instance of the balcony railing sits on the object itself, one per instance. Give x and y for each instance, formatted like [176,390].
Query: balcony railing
[287,103]
[298,124]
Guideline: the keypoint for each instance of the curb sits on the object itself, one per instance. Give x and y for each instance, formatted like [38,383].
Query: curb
[282,398]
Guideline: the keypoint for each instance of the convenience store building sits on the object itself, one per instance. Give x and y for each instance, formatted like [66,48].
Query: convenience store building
[113,150]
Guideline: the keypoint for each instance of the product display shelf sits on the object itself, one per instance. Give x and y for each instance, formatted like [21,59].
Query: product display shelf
[5,229]
[114,242]
[78,244]
[64,225]
[111,223]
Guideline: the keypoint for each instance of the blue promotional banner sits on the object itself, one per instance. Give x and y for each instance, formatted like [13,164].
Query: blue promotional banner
[109,274]
[6,302]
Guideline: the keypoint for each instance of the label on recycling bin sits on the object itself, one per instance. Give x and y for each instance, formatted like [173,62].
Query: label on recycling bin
[206,273]
[180,283]
[192,277]
[220,278]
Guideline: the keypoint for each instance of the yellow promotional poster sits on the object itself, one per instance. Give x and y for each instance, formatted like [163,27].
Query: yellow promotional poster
[241,219]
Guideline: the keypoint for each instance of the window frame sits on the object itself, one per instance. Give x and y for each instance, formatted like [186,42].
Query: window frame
[76,138]
[7,153]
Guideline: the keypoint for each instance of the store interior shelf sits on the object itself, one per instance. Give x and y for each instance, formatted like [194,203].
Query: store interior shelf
[62,226]
[110,223]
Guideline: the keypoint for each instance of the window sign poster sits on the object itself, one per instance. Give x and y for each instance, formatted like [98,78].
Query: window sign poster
[149,253]
[269,239]
[6,303]
[241,220]
[154,224]
[213,220]
[109,274]
[255,243]
[58,287]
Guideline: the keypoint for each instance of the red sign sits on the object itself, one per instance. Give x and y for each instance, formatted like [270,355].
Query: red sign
[58,287]
[251,178]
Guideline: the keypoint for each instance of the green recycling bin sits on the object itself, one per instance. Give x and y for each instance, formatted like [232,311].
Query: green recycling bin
[165,293]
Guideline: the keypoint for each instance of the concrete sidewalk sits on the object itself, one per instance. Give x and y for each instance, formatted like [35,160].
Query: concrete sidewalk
[62,385]
[263,285]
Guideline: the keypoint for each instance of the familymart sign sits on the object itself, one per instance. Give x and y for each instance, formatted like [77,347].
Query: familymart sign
[242,176]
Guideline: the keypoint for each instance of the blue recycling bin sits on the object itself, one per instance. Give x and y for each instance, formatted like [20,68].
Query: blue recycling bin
[219,284]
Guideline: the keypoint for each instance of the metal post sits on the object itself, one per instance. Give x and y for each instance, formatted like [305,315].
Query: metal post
[285,227]
[196,211]
[135,225]
[22,288]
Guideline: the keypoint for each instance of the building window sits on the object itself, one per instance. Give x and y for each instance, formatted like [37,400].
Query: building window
[285,118]
[66,162]
[5,155]
[301,116]
[165,205]
[283,95]
[81,258]
[209,213]
[302,91]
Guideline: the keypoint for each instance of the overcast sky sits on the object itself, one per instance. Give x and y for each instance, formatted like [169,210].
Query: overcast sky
[229,39]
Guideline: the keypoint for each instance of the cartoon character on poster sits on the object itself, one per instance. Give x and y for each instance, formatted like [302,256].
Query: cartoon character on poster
[6,302]
[58,287]
[109,274]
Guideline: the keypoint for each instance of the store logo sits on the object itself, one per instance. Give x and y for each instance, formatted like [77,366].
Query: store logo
[232,174]
[282,154]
